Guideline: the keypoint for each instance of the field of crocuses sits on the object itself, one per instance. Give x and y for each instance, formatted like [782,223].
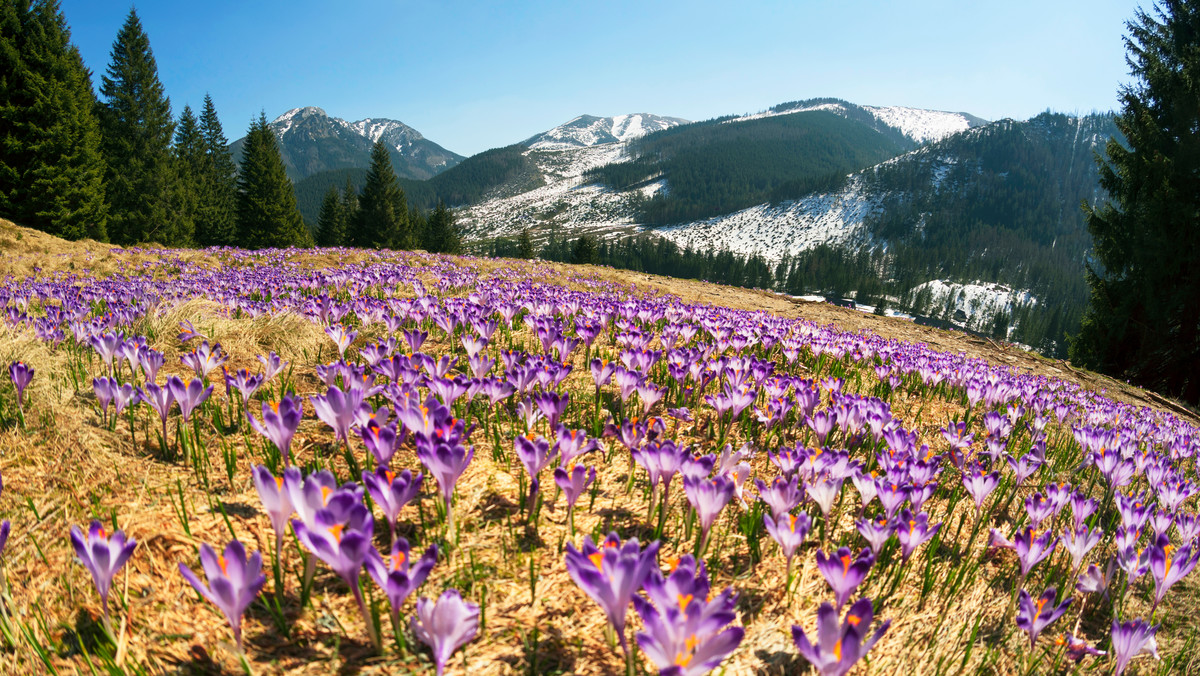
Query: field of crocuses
[291,461]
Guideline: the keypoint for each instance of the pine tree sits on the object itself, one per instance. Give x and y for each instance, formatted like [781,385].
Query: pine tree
[331,224]
[266,204]
[51,168]
[217,218]
[442,234]
[1143,322]
[190,165]
[382,216]
[136,127]
[525,245]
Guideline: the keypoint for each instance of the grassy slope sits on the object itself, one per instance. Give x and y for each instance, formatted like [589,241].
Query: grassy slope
[67,468]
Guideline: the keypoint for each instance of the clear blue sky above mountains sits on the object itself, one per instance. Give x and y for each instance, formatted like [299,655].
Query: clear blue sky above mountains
[476,75]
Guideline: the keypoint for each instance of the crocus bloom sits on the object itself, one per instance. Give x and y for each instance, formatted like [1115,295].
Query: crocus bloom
[914,531]
[103,555]
[844,572]
[280,421]
[1169,565]
[22,375]
[160,399]
[708,497]
[876,531]
[342,539]
[1130,639]
[397,575]
[391,491]
[445,626]
[276,499]
[336,409]
[1077,648]
[233,581]
[686,632]
[104,388]
[611,574]
[1079,542]
[535,453]
[189,396]
[837,648]
[446,462]
[980,485]
[789,531]
[574,482]
[782,495]
[1032,549]
[1034,616]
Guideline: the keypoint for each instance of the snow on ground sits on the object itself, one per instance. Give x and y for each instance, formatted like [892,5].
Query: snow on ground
[832,107]
[919,124]
[579,132]
[979,301]
[787,229]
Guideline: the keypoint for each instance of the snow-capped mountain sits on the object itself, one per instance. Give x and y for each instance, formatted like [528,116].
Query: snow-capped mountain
[311,142]
[589,130]
[917,125]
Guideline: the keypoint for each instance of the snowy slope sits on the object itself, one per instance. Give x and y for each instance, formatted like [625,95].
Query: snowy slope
[979,301]
[918,124]
[589,130]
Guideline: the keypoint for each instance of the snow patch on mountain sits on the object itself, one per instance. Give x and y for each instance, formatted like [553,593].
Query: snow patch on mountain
[589,130]
[919,124]
[831,107]
[973,306]
[775,231]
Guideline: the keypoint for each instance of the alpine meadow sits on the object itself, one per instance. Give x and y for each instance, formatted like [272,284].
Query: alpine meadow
[825,387]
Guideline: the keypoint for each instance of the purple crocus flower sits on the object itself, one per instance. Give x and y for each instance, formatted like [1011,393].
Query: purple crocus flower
[342,539]
[1032,549]
[573,444]
[844,572]
[1079,542]
[1169,565]
[536,454]
[233,581]
[205,359]
[397,575]
[602,371]
[980,485]
[782,495]
[336,409]
[611,574]
[789,531]
[280,421]
[1038,508]
[392,491]
[445,626]
[446,462]
[276,499]
[189,396]
[876,531]
[1082,507]
[552,405]
[708,496]
[381,441]
[686,626]
[160,399]
[21,374]
[838,648]
[574,482]
[272,366]
[1077,648]
[342,337]
[1034,616]
[1130,639]
[104,388]
[914,531]
[103,555]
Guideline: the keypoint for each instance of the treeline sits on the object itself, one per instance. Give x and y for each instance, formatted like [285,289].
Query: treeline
[714,168]
[121,168]
[467,182]
[868,276]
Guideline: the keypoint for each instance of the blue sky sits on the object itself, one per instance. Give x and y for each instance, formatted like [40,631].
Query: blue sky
[477,75]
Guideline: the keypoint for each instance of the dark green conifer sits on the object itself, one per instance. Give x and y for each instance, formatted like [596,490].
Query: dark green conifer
[190,165]
[331,224]
[217,218]
[267,213]
[525,245]
[442,231]
[1143,322]
[136,128]
[382,216]
[51,168]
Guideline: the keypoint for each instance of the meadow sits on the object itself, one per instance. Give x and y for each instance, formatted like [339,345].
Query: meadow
[308,461]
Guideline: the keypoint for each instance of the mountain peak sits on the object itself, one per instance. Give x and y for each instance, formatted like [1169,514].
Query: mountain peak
[590,130]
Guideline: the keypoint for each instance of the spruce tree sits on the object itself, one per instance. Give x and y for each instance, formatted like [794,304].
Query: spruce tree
[331,223]
[51,168]
[382,216]
[266,201]
[190,164]
[443,235]
[217,218]
[136,127]
[1143,322]
[525,245]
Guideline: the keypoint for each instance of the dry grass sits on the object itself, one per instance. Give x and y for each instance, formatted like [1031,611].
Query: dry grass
[67,469]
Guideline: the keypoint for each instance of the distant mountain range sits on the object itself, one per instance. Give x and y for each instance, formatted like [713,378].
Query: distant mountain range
[589,130]
[312,142]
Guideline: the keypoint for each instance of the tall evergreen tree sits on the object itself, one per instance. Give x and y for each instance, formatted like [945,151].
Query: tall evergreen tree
[331,224]
[267,213]
[1143,322]
[190,165]
[525,245]
[382,216]
[51,168]
[217,218]
[442,232]
[136,126]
